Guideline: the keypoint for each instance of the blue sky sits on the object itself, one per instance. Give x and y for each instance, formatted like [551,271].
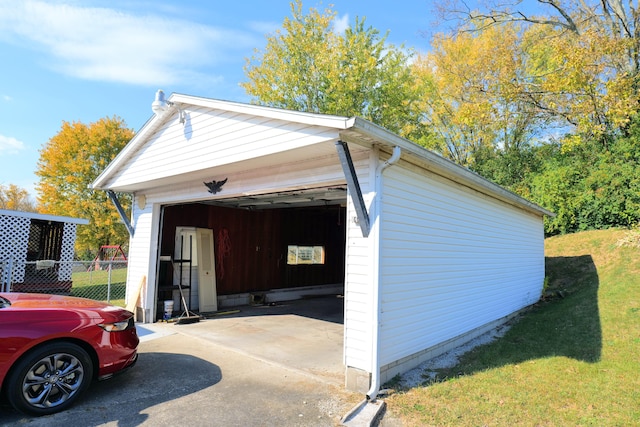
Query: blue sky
[82,60]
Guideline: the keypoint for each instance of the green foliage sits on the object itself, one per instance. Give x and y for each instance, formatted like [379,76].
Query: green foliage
[307,66]
[68,163]
[611,191]
[545,286]
[511,168]
[591,186]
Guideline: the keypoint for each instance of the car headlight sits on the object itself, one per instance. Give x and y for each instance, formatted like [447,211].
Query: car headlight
[117,326]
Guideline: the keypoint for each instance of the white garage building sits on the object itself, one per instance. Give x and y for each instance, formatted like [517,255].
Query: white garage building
[278,204]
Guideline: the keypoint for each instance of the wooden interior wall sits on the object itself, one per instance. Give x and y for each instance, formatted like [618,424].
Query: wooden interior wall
[322,226]
[251,246]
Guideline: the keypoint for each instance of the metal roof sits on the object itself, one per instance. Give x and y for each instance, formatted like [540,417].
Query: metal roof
[43,217]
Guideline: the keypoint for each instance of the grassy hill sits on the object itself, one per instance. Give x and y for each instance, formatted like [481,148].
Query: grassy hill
[572,359]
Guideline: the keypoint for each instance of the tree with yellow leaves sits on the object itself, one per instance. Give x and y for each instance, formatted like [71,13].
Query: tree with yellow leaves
[68,163]
[583,59]
[15,198]
[473,97]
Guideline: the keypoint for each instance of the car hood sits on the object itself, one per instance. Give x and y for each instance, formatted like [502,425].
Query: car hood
[25,301]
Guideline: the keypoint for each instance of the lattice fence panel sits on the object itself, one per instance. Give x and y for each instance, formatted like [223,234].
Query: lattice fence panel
[13,243]
[68,241]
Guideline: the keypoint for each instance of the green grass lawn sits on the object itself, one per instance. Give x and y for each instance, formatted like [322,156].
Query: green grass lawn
[571,360]
[93,284]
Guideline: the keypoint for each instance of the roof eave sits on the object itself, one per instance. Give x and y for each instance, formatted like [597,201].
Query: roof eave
[447,168]
[435,162]
[44,217]
[330,121]
[100,183]
[335,122]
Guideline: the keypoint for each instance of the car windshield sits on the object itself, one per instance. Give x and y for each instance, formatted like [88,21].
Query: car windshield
[4,303]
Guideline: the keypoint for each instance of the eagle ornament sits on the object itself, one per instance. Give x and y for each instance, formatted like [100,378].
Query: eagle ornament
[215,186]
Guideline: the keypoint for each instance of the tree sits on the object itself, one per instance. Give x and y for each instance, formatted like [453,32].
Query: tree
[307,66]
[68,163]
[590,186]
[585,63]
[572,69]
[472,102]
[512,168]
[610,195]
[15,198]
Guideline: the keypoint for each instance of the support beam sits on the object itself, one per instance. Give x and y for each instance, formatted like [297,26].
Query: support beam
[354,186]
[123,215]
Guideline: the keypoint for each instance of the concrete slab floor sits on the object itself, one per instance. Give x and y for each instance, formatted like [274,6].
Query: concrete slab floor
[304,335]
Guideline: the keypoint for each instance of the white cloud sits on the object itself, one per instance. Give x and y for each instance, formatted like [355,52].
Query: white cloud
[7,98]
[264,27]
[341,24]
[10,145]
[107,45]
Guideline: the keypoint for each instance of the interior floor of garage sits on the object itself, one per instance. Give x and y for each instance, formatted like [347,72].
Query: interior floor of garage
[304,335]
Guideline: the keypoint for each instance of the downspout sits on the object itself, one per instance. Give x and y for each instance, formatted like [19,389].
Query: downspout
[372,394]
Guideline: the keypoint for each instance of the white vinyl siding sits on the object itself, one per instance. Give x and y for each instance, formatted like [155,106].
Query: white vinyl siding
[213,138]
[451,260]
[141,257]
[359,276]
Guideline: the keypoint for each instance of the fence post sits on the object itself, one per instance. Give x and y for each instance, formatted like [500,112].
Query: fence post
[109,283]
[3,270]
[8,275]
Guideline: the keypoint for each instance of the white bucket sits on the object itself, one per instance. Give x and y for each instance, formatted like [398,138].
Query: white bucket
[168,309]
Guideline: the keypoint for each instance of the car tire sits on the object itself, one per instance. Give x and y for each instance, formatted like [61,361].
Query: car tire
[49,379]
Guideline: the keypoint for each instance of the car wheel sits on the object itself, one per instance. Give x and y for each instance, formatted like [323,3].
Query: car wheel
[49,379]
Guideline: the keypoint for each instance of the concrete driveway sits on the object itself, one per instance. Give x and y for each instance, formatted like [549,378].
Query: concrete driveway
[262,366]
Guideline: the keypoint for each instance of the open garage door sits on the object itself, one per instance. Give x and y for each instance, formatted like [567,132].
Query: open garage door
[279,266]
[268,247]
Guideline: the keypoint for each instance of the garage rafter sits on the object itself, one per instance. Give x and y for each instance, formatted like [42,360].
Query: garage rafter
[323,196]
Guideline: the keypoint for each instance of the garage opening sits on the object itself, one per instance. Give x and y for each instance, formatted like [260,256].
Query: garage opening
[267,248]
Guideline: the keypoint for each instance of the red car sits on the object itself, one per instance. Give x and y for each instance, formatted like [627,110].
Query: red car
[52,347]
